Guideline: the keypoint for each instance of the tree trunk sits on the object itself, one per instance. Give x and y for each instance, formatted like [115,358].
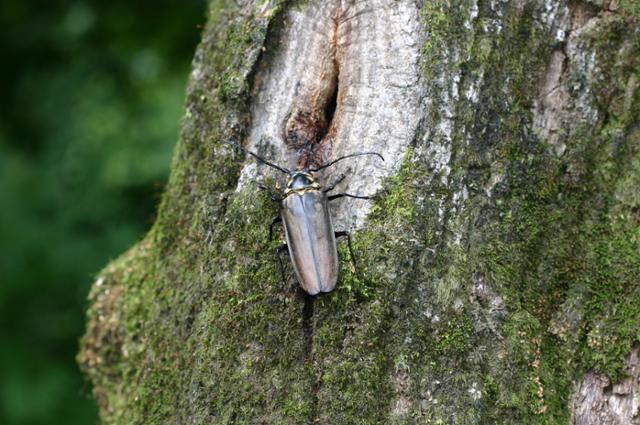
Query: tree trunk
[497,277]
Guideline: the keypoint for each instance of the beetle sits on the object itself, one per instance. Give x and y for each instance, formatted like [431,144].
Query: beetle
[309,234]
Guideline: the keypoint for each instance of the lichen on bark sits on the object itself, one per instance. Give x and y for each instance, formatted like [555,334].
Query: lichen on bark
[497,268]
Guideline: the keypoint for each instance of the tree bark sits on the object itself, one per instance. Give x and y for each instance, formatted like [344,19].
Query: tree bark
[498,267]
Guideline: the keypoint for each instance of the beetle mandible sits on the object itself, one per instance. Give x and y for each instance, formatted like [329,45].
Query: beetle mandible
[304,212]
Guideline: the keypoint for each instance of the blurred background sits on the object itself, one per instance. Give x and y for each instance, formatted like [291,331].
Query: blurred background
[91,97]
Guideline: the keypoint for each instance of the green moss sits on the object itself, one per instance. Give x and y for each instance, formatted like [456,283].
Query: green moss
[164,290]
[542,251]
[466,307]
[631,7]
[456,337]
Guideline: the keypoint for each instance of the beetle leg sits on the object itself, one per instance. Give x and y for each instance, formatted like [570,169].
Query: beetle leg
[348,236]
[275,221]
[348,195]
[279,250]
[335,183]
[273,195]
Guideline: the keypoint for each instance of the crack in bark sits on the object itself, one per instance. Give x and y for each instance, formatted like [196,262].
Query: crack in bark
[307,327]
[311,113]
[330,86]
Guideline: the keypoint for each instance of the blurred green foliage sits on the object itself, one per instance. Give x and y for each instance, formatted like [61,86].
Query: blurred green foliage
[91,96]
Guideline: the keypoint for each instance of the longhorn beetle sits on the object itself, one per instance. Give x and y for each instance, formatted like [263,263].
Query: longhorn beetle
[304,212]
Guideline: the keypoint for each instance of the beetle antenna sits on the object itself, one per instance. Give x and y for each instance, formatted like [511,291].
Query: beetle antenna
[345,157]
[264,161]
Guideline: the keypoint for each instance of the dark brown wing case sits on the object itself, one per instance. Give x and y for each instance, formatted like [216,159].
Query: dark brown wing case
[311,241]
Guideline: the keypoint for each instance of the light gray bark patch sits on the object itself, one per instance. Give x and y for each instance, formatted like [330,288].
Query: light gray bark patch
[562,105]
[365,57]
[553,99]
[597,402]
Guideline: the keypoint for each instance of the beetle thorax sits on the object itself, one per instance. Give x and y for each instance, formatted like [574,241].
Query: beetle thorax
[300,182]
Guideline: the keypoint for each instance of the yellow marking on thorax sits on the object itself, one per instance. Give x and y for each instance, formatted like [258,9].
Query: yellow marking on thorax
[301,191]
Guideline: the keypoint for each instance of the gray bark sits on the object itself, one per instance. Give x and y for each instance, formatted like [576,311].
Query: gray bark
[498,266]
[597,400]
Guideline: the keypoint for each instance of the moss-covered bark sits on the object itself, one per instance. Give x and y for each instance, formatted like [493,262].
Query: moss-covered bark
[499,265]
